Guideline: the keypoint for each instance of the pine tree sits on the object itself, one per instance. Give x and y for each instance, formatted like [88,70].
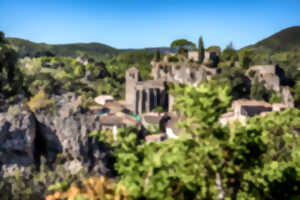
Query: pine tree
[201,50]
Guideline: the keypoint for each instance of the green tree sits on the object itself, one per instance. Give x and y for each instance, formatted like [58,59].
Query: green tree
[183,45]
[11,79]
[230,55]
[259,92]
[210,161]
[296,92]
[245,58]
[216,49]
[236,79]
[157,56]
[201,50]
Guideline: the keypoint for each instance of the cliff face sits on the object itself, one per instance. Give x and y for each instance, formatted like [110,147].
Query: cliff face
[17,137]
[26,137]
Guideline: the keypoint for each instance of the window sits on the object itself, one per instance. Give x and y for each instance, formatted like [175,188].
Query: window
[132,75]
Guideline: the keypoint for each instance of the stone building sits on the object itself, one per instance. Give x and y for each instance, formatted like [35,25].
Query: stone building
[182,72]
[209,56]
[271,75]
[144,96]
[244,108]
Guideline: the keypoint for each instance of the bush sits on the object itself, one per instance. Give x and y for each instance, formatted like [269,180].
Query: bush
[38,184]
[39,101]
[96,188]
[173,59]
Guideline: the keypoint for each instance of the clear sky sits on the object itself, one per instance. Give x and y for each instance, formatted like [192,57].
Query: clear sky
[147,23]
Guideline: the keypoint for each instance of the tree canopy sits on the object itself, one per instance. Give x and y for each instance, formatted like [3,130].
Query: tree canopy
[183,44]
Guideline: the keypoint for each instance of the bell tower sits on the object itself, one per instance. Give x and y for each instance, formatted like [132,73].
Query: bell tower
[132,77]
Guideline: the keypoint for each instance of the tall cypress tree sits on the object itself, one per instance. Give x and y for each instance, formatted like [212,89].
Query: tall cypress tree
[157,56]
[201,50]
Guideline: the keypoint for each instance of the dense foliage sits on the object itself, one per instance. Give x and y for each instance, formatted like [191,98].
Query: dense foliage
[183,45]
[11,79]
[37,184]
[210,161]
[32,49]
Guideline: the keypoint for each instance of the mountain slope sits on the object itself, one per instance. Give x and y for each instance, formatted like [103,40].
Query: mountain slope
[285,40]
[28,48]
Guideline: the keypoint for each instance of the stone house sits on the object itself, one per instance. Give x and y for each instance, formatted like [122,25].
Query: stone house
[244,108]
[112,122]
[208,56]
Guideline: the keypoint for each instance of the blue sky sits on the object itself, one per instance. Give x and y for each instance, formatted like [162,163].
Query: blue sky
[147,23]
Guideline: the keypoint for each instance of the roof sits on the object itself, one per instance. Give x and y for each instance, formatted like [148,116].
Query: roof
[151,84]
[114,106]
[247,102]
[111,120]
[228,114]
[132,69]
[118,120]
[156,137]
[96,108]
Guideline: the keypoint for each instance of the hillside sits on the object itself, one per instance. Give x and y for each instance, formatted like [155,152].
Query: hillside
[32,49]
[96,50]
[285,40]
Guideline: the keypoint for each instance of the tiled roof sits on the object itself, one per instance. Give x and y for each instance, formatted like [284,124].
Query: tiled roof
[228,114]
[151,83]
[156,137]
[247,102]
[111,120]
[132,69]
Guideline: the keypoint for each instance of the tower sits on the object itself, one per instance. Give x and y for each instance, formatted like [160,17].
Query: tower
[132,77]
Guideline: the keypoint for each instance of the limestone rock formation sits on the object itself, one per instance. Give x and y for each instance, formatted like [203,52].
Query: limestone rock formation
[17,137]
[67,133]
[28,139]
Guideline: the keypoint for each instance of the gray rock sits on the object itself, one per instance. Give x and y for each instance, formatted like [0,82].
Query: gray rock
[17,136]
[67,133]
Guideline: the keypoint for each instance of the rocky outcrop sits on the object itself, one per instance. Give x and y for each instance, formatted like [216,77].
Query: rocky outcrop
[40,138]
[67,133]
[17,137]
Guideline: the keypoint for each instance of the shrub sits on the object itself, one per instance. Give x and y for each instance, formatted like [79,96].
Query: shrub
[173,59]
[252,73]
[275,98]
[177,67]
[40,100]
[96,188]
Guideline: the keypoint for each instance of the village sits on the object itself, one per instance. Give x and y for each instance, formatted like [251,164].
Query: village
[148,104]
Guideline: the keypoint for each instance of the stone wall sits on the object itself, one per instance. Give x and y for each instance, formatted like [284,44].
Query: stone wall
[265,74]
[182,72]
